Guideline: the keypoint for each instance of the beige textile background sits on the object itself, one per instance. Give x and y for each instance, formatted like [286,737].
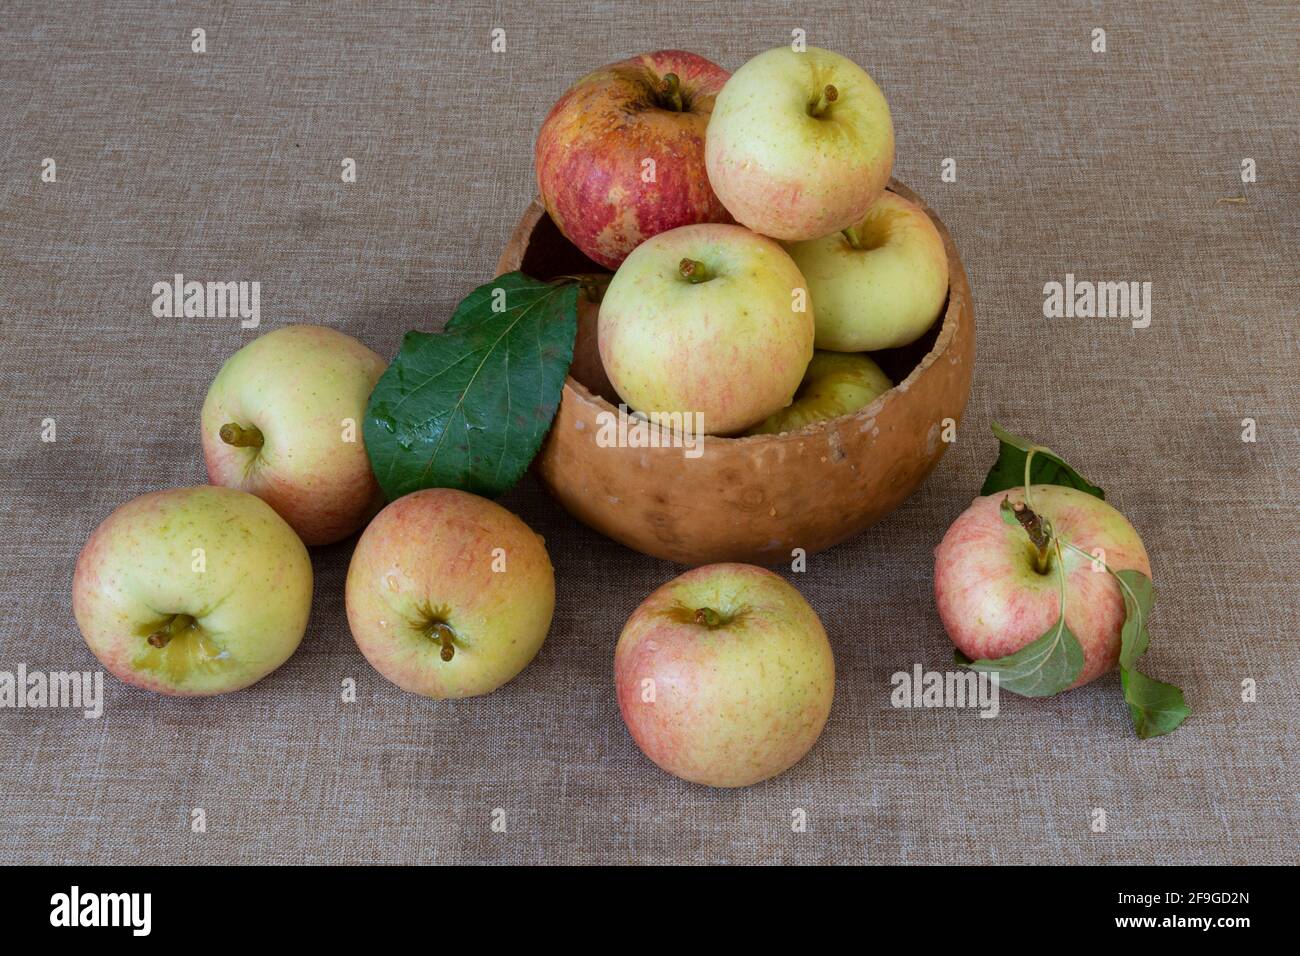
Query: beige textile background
[225,166]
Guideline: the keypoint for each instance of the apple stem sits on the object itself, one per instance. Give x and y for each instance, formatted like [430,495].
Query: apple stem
[707,617]
[1040,533]
[829,95]
[178,624]
[670,92]
[591,286]
[594,289]
[442,633]
[241,437]
[852,238]
[694,271]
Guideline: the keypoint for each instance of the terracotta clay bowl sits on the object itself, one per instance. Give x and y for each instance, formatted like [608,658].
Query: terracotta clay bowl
[750,499]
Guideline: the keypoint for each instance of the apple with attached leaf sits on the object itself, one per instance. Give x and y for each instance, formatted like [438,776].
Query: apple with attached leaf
[800,144]
[283,420]
[995,596]
[620,157]
[710,319]
[449,595]
[193,591]
[724,675]
[1045,584]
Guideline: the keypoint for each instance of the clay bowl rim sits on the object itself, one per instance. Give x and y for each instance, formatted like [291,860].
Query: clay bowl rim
[522,235]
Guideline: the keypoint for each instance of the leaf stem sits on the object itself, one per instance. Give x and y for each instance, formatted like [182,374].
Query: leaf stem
[1060,573]
[1029,457]
[1109,570]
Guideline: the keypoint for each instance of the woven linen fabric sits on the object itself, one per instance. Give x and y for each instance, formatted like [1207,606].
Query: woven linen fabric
[225,165]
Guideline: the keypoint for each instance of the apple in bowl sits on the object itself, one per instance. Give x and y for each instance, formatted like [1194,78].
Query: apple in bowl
[283,420]
[708,319]
[836,383]
[448,594]
[881,282]
[754,499]
[193,591]
[620,157]
[800,144]
[724,676]
[586,366]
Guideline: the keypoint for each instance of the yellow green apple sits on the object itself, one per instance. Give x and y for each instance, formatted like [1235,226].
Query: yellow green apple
[449,594]
[835,384]
[193,591]
[879,284]
[283,420]
[800,144]
[724,675]
[710,319]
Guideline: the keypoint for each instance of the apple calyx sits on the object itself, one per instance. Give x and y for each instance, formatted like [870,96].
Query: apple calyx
[670,93]
[694,271]
[241,436]
[178,624]
[828,95]
[1039,530]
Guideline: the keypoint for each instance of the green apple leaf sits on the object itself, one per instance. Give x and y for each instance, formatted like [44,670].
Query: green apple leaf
[1156,707]
[1139,595]
[468,407]
[1047,468]
[1045,666]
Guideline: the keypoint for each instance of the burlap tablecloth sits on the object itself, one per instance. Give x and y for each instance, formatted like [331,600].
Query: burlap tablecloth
[225,165]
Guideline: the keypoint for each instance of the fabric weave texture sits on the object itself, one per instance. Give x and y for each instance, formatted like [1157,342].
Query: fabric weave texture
[226,166]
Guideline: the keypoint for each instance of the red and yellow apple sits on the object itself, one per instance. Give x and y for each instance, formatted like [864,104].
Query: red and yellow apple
[880,283]
[193,591]
[836,383]
[449,594]
[725,676]
[800,144]
[283,420]
[709,319]
[992,598]
[620,158]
